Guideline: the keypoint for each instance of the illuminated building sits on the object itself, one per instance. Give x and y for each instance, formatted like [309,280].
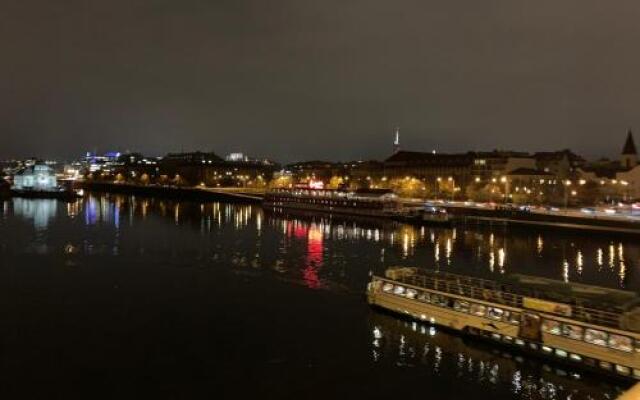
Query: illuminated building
[39,177]
[236,157]
[563,164]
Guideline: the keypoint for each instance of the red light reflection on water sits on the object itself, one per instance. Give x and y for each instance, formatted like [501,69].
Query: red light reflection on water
[313,259]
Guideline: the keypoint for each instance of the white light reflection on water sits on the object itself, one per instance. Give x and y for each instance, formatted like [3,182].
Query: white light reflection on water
[484,251]
[579,262]
[39,211]
[565,271]
[447,355]
[539,245]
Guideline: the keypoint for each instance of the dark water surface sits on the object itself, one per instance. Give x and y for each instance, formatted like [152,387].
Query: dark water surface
[122,297]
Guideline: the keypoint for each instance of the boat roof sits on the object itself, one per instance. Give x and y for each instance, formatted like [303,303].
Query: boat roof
[544,288]
[567,291]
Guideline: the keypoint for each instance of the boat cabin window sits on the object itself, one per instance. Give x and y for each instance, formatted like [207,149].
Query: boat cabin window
[440,300]
[594,336]
[620,342]
[462,306]
[478,309]
[424,297]
[387,287]
[411,293]
[495,313]
[572,331]
[399,290]
[550,326]
[511,317]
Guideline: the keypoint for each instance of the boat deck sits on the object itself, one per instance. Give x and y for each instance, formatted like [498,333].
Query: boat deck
[589,304]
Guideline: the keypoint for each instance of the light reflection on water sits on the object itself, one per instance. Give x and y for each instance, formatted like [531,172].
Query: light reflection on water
[320,240]
[331,254]
[409,344]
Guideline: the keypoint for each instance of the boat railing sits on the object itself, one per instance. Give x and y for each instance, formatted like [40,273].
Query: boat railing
[491,291]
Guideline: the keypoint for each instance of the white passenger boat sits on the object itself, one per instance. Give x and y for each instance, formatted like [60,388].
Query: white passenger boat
[589,326]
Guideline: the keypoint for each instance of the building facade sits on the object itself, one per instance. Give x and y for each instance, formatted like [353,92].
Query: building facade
[39,177]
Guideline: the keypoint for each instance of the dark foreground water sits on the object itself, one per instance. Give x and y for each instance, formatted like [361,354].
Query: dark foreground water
[122,297]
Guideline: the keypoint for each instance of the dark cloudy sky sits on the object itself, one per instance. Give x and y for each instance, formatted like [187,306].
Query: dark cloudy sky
[317,79]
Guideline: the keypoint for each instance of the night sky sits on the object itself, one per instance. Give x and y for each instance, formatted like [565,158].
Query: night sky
[317,79]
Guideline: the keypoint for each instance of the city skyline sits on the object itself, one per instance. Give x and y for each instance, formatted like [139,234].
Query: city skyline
[395,146]
[317,81]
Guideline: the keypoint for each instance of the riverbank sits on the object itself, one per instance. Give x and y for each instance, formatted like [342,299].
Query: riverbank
[458,215]
[553,220]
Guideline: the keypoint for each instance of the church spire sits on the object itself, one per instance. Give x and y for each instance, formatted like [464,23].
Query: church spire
[629,145]
[629,156]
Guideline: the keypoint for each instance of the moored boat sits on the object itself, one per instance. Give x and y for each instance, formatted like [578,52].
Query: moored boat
[362,202]
[588,326]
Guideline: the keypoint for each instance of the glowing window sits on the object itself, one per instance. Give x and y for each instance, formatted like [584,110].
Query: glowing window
[478,309]
[620,342]
[462,306]
[572,331]
[594,336]
[495,313]
[399,290]
[411,293]
[550,326]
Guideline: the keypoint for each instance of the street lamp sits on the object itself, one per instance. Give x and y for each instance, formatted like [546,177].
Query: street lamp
[566,183]
[506,188]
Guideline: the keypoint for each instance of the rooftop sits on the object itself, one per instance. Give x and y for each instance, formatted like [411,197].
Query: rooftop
[415,157]
[529,172]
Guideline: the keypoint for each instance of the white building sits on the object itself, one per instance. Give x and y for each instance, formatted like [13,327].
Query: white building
[39,177]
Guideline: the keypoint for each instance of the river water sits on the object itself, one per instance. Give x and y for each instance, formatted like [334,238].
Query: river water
[123,297]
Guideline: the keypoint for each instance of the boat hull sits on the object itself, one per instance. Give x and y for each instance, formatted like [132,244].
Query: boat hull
[553,347]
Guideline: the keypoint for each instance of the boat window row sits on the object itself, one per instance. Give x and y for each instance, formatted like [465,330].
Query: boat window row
[480,310]
[335,203]
[589,335]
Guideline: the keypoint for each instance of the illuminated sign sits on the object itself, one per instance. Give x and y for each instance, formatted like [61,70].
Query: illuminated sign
[546,306]
[316,184]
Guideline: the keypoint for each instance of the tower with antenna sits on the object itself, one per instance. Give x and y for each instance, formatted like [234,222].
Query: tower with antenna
[396,139]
